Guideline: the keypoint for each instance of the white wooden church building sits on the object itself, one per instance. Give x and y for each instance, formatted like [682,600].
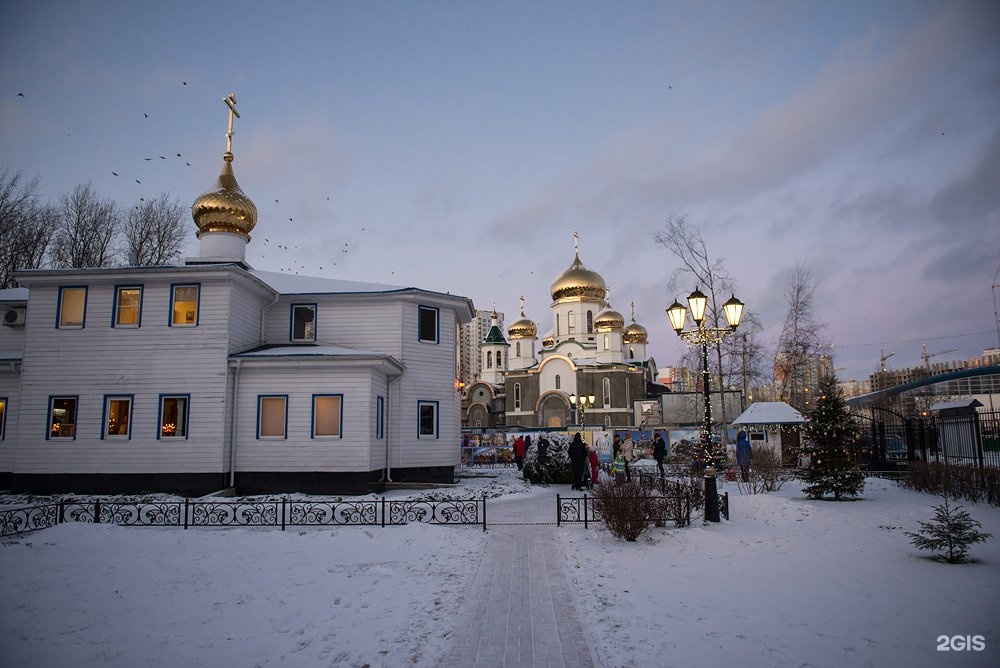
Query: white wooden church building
[211,375]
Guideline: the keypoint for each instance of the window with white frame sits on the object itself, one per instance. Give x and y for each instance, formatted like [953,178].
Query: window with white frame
[174,415]
[303,322]
[128,303]
[184,305]
[62,417]
[571,322]
[427,324]
[427,419]
[607,420]
[272,416]
[117,416]
[517,396]
[72,308]
[606,387]
[328,413]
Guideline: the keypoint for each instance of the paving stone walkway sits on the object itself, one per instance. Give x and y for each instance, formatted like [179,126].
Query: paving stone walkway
[520,610]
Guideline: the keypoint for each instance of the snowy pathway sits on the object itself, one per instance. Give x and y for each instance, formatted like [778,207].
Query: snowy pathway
[520,610]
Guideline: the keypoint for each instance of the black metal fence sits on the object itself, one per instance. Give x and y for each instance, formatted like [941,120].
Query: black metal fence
[888,440]
[664,484]
[576,509]
[282,513]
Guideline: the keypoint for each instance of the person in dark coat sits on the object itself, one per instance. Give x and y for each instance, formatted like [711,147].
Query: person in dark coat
[659,450]
[543,449]
[743,455]
[578,460]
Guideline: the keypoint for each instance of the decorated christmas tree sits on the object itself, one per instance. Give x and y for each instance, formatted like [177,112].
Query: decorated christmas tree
[829,433]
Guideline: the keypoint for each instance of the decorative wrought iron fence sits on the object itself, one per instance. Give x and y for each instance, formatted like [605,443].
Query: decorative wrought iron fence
[576,509]
[280,513]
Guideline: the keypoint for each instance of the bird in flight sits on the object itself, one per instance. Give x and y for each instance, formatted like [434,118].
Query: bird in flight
[138,181]
[185,83]
[20,94]
[145,115]
[115,173]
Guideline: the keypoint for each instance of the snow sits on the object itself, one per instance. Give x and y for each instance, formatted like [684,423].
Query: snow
[769,412]
[289,284]
[786,582]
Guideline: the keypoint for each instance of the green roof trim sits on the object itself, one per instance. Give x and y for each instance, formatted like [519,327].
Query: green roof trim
[496,336]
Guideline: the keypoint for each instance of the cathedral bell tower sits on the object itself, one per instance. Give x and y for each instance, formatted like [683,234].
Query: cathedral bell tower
[493,353]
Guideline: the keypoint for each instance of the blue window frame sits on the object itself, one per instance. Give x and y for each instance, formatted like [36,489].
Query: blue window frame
[127,307]
[427,324]
[172,416]
[272,416]
[3,418]
[427,419]
[328,416]
[379,417]
[185,301]
[116,419]
[303,322]
[71,311]
[62,417]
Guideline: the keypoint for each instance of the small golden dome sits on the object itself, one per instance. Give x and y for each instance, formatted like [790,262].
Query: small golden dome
[523,329]
[225,208]
[609,321]
[578,281]
[635,333]
[548,341]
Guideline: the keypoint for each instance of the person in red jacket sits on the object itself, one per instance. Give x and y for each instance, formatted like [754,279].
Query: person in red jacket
[595,467]
[519,453]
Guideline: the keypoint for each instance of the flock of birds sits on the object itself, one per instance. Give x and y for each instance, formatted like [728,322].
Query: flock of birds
[276,251]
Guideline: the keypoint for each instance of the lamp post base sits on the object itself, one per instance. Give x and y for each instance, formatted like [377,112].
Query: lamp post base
[711,496]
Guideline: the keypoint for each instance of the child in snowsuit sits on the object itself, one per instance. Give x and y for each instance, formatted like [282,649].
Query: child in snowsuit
[595,467]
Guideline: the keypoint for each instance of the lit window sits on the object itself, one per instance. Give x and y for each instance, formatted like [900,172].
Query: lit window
[3,417]
[117,416]
[62,417]
[427,324]
[304,322]
[427,416]
[173,416]
[184,305]
[517,396]
[72,307]
[379,417]
[272,413]
[327,415]
[571,323]
[127,305]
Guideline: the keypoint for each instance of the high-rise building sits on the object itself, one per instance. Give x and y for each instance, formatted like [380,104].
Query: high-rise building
[471,336]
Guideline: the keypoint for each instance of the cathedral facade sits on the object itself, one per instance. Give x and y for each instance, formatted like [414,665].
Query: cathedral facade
[588,352]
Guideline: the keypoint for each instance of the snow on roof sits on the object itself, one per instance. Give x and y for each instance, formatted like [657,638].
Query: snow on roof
[770,412]
[10,355]
[950,405]
[291,284]
[14,295]
[309,351]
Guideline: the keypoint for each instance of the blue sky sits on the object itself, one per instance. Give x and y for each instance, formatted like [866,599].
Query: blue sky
[461,143]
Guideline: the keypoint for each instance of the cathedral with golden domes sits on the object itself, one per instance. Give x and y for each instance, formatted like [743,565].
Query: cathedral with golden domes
[591,368]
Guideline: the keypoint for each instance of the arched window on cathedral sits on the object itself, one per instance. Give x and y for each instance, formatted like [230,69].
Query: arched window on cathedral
[607,342]
[590,322]
[571,323]
[489,359]
[499,359]
[607,420]
[517,349]
[631,353]
[558,382]
[517,396]
[606,386]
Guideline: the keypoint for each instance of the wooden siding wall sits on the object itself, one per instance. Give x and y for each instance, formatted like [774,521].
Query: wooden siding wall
[145,362]
[10,387]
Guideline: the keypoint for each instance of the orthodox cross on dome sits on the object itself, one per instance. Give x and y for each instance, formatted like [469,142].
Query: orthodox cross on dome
[522,305]
[230,101]
[576,242]
[633,311]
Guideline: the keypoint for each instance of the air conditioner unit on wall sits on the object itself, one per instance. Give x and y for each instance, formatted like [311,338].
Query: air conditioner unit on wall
[14,317]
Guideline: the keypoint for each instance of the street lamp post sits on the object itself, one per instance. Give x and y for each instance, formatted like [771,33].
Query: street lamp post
[704,335]
[581,403]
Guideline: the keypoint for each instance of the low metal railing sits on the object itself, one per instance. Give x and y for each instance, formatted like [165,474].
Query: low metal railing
[279,513]
[584,509]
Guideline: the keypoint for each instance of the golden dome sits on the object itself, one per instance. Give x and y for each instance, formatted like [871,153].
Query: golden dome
[635,333]
[578,281]
[523,329]
[548,341]
[609,321]
[225,208]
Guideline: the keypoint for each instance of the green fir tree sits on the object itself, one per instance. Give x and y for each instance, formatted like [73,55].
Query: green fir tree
[952,531]
[830,432]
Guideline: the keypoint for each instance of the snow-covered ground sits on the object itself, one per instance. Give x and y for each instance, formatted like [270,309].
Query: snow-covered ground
[787,582]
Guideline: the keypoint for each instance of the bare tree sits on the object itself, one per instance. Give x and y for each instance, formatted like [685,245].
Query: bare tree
[153,232]
[86,227]
[801,346]
[24,230]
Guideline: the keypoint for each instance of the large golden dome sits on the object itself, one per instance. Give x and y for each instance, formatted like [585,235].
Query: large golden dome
[609,321]
[225,208]
[635,333]
[523,328]
[578,281]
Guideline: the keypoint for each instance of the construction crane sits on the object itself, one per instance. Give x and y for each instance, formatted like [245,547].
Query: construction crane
[882,357]
[927,356]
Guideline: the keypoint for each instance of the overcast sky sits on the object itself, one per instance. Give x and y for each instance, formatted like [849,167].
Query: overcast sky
[456,146]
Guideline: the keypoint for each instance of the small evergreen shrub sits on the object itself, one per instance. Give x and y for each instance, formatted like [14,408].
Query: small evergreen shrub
[952,532]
